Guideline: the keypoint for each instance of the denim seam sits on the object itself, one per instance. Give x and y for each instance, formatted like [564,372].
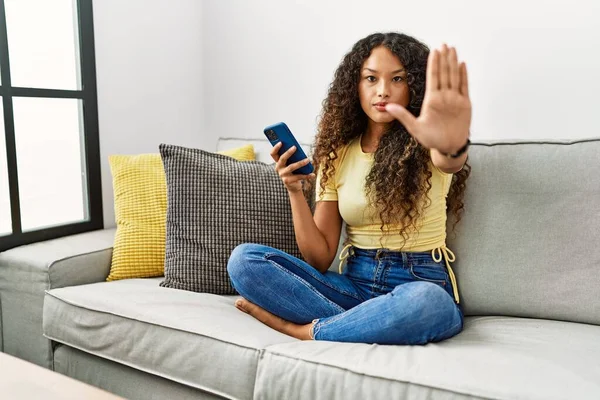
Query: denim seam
[374,278]
[292,261]
[386,272]
[333,319]
[317,326]
[308,285]
[315,329]
[424,279]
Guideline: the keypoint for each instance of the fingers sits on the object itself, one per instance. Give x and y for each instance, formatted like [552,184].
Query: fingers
[286,172]
[444,68]
[275,151]
[294,166]
[464,80]
[291,178]
[453,69]
[433,70]
[401,114]
[292,181]
[282,161]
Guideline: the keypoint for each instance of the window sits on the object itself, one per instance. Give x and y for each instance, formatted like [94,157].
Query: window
[49,146]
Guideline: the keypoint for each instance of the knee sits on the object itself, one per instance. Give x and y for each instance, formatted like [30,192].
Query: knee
[430,302]
[241,259]
[431,298]
[431,291]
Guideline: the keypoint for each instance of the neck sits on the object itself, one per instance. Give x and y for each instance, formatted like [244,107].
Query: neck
[372,136]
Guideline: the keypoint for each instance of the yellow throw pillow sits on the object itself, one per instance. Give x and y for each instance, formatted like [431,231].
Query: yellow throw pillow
[243,153]
[140,198]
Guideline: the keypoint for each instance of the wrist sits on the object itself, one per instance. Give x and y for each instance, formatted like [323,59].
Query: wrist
[293,192]
[459,152]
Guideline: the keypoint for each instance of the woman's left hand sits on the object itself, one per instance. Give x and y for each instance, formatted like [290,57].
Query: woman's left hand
[445,117]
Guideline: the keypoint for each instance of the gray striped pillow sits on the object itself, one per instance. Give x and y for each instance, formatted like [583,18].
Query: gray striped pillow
[215,203]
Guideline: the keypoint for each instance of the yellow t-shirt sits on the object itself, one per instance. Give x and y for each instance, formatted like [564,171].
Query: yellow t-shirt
[363,222]
[347,187]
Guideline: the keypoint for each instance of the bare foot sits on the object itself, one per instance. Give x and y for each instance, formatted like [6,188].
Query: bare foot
[279,324]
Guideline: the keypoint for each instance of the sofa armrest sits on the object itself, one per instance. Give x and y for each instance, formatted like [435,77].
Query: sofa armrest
[26,272]
[67,261]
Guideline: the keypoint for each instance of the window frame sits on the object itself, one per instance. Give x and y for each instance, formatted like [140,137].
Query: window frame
[88,96]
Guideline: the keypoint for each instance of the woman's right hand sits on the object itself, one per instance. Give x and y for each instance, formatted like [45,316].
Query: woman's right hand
[292,182]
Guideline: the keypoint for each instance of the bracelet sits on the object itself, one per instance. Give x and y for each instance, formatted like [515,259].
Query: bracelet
[460,151]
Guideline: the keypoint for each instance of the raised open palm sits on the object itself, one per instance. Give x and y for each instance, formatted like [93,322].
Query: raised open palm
[445,117]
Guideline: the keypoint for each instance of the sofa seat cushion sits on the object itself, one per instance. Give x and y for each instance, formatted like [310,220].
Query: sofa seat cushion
[494,357]
[197,339]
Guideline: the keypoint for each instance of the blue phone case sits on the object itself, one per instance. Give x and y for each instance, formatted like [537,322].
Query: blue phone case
[281,133]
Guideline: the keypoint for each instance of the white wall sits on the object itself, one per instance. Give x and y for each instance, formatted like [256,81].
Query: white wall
[532,64]
[149,76]
[190,71]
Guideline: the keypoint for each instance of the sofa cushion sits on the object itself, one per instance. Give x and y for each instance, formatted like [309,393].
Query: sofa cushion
[528,243]
[198,339]
[494,358]
[214,204]
[140,193]
[140,197]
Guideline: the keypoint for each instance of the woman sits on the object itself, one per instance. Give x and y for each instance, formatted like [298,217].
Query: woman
[391,152]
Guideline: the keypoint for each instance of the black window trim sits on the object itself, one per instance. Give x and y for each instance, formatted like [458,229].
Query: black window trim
[88,95]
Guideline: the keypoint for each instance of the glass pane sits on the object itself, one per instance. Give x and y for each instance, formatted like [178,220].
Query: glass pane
[51,161]
[43,43]
[5,216]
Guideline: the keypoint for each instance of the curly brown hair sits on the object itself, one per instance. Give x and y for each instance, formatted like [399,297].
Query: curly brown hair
[401,163]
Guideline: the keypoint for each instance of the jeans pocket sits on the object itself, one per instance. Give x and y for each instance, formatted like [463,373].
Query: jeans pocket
[430,272]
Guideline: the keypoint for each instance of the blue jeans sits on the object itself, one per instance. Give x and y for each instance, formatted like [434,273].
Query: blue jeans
[382,296]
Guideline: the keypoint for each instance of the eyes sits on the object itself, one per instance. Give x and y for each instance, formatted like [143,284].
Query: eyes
[372,79]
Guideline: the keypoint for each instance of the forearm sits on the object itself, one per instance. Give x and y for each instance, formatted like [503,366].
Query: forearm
[310,239]
[447,164]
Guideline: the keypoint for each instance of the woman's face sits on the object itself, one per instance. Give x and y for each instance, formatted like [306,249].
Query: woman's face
[382,80]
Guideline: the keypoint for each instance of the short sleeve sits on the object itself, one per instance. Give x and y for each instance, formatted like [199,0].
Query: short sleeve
[435,166]
[440,171]
[330,192]
[445,178]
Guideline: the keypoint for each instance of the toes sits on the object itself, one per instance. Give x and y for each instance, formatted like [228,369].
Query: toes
[243,305]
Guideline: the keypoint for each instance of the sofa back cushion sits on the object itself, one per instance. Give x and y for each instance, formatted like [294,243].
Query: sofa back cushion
[214,204]
[528,244]
[140,192]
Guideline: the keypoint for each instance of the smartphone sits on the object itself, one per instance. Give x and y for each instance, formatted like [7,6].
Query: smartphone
[281,133]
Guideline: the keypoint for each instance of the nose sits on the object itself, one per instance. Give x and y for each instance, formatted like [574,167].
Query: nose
[383,89]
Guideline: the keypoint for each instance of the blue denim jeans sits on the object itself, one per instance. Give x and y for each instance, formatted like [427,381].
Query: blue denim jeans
[382,296]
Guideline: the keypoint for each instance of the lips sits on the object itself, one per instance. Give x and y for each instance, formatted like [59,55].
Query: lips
[380,106]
